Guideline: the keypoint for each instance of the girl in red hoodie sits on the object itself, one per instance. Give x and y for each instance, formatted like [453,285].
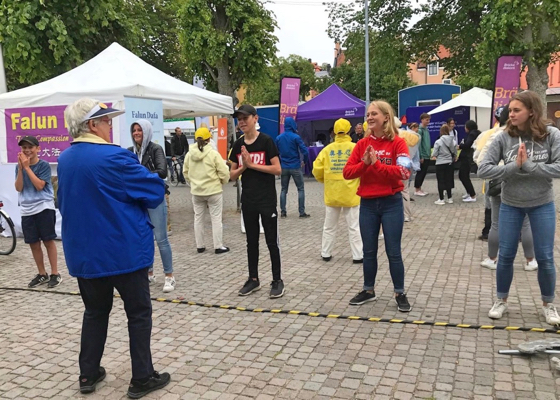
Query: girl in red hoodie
[382,162]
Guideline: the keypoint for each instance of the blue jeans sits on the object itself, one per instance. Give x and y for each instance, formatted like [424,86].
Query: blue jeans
[158,216]
[386,212]
[543,226]
[298,180]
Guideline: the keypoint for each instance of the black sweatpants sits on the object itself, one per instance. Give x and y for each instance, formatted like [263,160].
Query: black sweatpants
[465,176]
[269,218]
[421,175]
[97,295]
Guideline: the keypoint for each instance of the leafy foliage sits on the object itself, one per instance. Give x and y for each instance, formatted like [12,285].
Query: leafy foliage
[266,90]
[227,42]
[42,39]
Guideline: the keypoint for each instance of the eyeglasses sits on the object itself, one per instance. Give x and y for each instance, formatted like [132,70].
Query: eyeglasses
[109,121]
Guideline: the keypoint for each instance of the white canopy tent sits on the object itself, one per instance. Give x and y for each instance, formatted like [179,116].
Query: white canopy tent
[113,74]
[109,77]
[480,102]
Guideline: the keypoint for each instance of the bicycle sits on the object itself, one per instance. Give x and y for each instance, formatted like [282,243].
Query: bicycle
[7,243]
[176,169]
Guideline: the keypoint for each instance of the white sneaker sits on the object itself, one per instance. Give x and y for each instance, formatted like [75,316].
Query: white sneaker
[551,314]
[531,265]
[449,201]
[465,196]
[381,236]
[439,202]
[169,284]
[420,193]
[407,219]
[499,308]
[469,199]
[152,279]
[489,263]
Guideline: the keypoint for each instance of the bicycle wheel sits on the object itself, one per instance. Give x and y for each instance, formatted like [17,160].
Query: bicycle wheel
[7,243]
[175,175]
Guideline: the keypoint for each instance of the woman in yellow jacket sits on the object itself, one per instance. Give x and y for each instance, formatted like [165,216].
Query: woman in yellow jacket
[340,194]
[206,171]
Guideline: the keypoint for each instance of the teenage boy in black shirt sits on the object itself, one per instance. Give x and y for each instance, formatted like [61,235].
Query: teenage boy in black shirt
[255,157]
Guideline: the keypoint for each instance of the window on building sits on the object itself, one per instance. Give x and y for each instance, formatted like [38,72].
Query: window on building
[446,81]
[433,69]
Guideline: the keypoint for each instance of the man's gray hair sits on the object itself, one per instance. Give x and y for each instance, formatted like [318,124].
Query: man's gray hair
[75,113]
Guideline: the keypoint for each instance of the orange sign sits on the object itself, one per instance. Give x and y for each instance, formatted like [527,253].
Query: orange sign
[221,140]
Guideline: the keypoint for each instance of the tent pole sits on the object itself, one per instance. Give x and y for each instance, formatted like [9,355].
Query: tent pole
[476,115]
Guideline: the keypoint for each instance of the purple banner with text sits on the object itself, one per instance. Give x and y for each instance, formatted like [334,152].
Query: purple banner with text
[508,70]
[45,123]
[289,99]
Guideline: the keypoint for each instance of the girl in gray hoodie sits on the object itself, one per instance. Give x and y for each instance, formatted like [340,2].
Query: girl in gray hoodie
[530,150]
[445,154]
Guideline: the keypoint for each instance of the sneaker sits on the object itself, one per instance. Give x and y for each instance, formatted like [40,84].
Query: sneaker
[152,279]
[221,250]
[38,280]
[201,249]
[531,265]
[360,261]
[304,215]
[327,258]
[465,196]
[169,284]
[88,384]
[402,303]
[439,202]
[498,309]
[249,287]
[381,236]
[449,201]
[406,219]
[276,289]
[483,237]
[469,199]
[551,314]
[54,281]
[362,297]
[420,193]
[489,263]
[138,389]
[283,215]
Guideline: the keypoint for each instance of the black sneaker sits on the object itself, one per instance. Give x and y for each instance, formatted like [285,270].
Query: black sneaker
[221,250]
[38,280]
[87,384]
[360,261]
[249,287]
[327,258]
[201,249]
[402,303]
[283,215]
[304,215]
[276,289]
[362,297]
[483,237]
[139,389]
[54,281]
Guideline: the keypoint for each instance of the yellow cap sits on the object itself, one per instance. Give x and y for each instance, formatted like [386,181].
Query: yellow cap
[202,133]
[342,126]
[365,126]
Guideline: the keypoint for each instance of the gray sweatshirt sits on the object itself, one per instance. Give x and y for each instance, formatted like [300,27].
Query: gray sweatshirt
[445,150]
[530,185]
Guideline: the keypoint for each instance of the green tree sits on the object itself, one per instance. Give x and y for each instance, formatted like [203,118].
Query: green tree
[266,90]
[42,39]
[227,42]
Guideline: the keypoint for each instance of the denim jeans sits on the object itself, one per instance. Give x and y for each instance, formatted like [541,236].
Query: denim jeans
[158,216]
[543,226]
[375,213]
[298,180]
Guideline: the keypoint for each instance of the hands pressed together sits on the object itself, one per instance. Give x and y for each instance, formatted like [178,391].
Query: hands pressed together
[521,155]
[23,161]
[246,157]
[370,156]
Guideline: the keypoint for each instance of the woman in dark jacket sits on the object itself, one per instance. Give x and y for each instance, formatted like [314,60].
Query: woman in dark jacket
[152,157]
[465,160]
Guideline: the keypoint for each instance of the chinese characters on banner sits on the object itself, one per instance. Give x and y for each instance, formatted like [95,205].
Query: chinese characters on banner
[289,99]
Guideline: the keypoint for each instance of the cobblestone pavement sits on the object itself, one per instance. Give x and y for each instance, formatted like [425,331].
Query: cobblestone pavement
[227,354]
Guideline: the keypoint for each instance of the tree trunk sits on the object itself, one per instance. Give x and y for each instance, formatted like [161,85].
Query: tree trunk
[537,81]
[225,88]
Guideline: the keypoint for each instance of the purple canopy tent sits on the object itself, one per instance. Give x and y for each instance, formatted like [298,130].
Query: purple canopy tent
[316,116]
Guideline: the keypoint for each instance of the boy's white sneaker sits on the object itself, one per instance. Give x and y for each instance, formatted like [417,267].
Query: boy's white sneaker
[498,309]
[551,314]
[469,199]
[439,202]
[449,201]
[531,265]
[169,284]
[489,263]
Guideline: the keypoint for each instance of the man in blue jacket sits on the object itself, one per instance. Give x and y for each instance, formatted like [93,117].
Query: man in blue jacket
[290,146]
[103,195]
